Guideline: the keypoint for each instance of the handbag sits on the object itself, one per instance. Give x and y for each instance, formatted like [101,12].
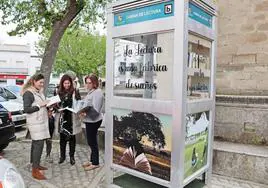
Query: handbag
[66,133]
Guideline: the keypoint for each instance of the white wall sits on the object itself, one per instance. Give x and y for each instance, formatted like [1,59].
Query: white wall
[14,59]
[14,56]
[34,65]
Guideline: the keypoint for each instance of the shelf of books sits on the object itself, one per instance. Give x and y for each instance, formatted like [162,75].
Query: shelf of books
[198,64]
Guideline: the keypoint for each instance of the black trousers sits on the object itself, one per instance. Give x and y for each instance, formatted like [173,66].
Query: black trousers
[63,142]
[48,146]
[36,152]
[91,132]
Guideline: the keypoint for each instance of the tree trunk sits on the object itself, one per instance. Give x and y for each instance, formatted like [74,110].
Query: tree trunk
[51,51]
[57,33]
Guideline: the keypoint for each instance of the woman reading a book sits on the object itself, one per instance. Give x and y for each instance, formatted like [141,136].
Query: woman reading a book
[34,104]
[69,124]
[93,119]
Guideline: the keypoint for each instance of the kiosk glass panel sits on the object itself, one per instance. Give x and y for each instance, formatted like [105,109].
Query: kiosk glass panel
[199,66]
[143,66]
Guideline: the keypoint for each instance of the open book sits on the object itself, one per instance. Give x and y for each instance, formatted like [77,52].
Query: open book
[139,162]
[53,100]
[78,108]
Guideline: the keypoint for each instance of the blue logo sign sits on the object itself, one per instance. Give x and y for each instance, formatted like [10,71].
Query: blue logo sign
[200,15]
[152,12]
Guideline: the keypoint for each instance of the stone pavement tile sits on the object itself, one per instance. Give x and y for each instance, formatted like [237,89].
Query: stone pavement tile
[59,176]
[217,182]
[65,175]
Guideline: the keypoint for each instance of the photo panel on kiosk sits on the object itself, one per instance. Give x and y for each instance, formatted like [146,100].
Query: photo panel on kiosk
[196,142]
[142,142]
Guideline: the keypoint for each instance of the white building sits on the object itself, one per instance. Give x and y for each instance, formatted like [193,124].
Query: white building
[34,64]
[17,64]
[14,63]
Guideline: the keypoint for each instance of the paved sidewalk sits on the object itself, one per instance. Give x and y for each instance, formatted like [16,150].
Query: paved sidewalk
[67,176]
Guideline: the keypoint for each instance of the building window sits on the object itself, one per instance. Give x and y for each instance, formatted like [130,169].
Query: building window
[19,62]
[3,82]
[2,61]
[19,82]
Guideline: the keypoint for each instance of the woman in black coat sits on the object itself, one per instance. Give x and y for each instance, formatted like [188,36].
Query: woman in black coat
[67,94]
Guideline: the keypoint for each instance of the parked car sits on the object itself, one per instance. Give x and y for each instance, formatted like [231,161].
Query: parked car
[7,128]
[16,110]
[9,175]
[14,88]
[10,93]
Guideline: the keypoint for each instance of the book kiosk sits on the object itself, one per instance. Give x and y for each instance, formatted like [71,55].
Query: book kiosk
[160,90]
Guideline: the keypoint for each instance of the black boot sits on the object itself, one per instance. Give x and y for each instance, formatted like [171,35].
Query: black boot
[72,161]
[72,142]
[62,159]
[63,143]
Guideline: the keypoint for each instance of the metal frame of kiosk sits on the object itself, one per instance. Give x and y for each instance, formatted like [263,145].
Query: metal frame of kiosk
[186,37]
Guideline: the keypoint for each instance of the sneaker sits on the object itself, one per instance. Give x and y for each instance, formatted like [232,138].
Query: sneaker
[91,167]
[86,164]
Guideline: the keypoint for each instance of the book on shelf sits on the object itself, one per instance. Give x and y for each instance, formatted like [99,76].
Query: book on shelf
[139,162]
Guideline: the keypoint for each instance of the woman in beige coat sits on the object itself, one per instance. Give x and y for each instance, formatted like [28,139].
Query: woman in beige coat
[37,120]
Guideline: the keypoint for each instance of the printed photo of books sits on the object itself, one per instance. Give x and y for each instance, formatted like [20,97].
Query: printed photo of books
[140,162]
[142,142]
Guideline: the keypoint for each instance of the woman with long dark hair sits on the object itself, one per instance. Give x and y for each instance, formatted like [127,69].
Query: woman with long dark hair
[34,104]
[69,124]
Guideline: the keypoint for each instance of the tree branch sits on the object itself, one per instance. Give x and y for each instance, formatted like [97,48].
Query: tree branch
[42,7]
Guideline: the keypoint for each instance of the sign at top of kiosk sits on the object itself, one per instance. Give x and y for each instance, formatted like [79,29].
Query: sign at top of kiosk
[152,12]
[198,14]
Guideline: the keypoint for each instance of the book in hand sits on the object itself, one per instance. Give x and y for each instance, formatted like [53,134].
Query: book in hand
[79,107]
[75,110]
[139,162]
[53,100]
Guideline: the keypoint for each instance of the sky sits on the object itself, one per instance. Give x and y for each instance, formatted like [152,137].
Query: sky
[31,37]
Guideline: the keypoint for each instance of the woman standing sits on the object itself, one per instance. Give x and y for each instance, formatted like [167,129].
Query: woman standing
[93,119]
[69,123]
[37,120]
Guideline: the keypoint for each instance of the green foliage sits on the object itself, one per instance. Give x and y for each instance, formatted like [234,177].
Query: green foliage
[82,53]
[41,15]
[52,18]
